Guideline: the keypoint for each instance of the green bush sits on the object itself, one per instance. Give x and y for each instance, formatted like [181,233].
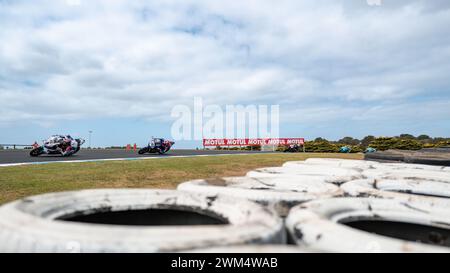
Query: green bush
[429,145]
[386,143]
[408,144]
[252,148]
[442,144]
[280,148]
[321,146]
[356,149]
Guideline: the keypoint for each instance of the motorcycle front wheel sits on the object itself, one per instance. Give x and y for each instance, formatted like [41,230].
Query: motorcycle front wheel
[143,151]
[163,151]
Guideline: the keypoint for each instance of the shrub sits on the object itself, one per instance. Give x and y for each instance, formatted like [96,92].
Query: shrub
[356,149]
[442,144]
[321,146]
[385,143]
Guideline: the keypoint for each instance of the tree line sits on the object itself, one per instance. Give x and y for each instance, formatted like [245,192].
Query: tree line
[401,142]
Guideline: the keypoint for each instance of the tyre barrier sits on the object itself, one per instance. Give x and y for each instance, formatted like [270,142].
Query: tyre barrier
[410,167]
[384,157]
[278,194]
[300,184]
[333,175]
[437,150]
[133,220]
[420,157]
[370,225]
[426,191]
[254,249]
[334,162]
[408,174]
[427,160]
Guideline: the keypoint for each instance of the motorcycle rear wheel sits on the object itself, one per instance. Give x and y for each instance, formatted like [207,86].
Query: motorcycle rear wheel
[36,152]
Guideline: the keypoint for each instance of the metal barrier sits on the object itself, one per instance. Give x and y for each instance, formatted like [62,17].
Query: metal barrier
[14,146]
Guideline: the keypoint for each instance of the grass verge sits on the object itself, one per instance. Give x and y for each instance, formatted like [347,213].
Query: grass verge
[20,181]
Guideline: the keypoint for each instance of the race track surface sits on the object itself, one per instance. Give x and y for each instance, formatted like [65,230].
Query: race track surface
[22,156]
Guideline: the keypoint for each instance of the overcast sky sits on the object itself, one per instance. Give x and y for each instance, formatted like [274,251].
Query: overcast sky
[336,68]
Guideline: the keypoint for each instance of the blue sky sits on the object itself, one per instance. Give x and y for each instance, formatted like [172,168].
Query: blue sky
[336,68]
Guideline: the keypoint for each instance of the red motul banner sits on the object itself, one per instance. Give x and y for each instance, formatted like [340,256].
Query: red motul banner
[252,141]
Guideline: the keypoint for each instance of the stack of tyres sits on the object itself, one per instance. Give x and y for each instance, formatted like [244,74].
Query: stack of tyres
[331,174]
[405,189]
[277,193]
[133,220]
[406,174]
[334,162]
[403,181]
[401,208]
[370,225]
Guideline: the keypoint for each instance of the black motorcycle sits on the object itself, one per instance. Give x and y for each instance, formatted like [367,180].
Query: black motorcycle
[292,149]
[157,145]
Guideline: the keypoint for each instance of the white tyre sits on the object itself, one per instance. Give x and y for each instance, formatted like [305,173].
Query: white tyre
[427,191]
[412,167]
[254,249]
[133,220]
[334,162]
[333,174]
[279,200]
[408,175]
[308,184]
[370,225]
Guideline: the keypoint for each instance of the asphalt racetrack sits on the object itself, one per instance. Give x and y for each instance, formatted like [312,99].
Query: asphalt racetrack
[22,156]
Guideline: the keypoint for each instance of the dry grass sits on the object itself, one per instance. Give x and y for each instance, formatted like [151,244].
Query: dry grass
[21,181]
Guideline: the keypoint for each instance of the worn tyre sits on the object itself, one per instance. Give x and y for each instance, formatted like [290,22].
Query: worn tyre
[254,249]
[408,174]
[426,191]
[333,174]
[333,162]
[133,220]
[370,225]
[410,167]
[279,194]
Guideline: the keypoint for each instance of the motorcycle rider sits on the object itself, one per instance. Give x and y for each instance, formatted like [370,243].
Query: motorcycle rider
[63,144]
[156,143]
[67,145]
[293,148]
[52,142]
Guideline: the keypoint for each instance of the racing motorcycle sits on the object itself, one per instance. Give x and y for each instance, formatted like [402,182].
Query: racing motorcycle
[58,145]
[295,148]
[157,145]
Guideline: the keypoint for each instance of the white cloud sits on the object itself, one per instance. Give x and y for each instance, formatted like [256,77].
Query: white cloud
[75,59]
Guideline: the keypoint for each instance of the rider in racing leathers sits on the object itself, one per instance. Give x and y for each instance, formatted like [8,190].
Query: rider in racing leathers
[68,145]
[156,143]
